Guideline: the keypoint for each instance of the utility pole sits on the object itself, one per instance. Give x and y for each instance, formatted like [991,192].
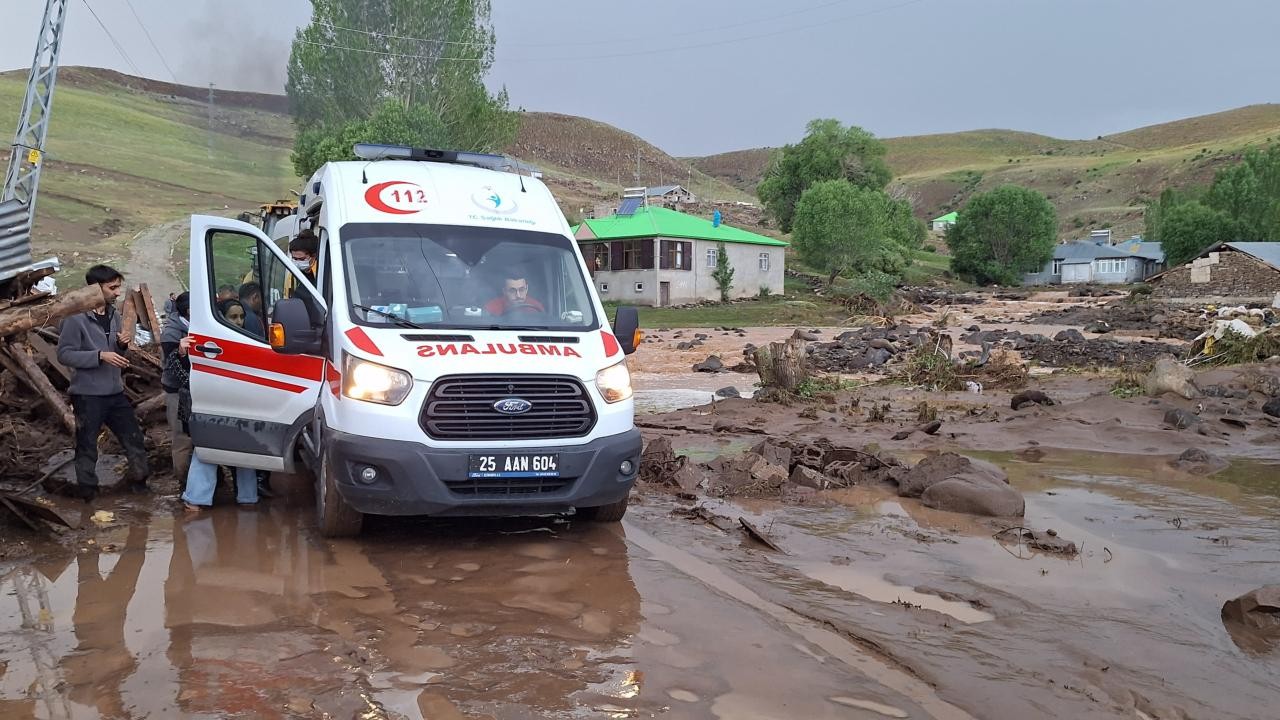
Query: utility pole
[27,157]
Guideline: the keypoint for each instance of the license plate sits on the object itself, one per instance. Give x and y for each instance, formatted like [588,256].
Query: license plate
[518,465]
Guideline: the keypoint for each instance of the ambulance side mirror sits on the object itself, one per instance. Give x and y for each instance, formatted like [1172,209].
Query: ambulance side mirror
[291,331]
[626,327]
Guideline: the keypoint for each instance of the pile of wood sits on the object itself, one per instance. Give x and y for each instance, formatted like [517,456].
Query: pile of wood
[37,416]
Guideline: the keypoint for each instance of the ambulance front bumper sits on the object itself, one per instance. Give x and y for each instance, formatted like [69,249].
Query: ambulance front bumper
[409,478]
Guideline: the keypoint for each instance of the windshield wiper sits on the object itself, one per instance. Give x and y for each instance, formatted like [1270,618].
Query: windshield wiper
[395,319]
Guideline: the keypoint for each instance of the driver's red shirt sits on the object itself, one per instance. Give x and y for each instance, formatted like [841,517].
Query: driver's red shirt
[499,306]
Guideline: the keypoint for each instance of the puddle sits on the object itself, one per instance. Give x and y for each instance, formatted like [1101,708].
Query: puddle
[874,587]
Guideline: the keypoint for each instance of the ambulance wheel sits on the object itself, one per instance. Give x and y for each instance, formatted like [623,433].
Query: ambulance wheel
[333,515]
[612,512]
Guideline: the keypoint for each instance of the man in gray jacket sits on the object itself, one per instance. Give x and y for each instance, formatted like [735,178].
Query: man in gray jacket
[93,346]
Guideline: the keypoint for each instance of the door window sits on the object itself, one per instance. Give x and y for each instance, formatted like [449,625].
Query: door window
[248,280]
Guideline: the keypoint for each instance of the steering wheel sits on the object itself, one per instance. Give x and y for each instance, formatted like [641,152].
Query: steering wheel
[522,309]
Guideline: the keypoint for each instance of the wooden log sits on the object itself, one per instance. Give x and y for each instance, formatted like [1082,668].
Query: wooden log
[139,301]
[129,314]
[42,348]
[28,317]
[38,381]
[147,313]
[150,405]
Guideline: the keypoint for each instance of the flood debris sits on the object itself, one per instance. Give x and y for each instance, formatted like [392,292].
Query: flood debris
[1030,397]
[1046,541]
[759,535]
[1253,619]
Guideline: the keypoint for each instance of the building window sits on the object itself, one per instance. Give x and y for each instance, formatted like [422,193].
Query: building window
[639,287]
[1111,266]
[601,254]
[604,287]
[677,256]
[764,261]
[632,255]
[711,258]
[1057,267]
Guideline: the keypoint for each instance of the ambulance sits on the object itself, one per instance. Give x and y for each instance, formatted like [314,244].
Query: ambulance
[450,358]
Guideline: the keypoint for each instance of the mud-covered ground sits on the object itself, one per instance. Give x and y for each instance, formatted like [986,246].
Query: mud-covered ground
[871,605]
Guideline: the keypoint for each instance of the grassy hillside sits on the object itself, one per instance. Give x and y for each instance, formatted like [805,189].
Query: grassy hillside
[124,154]
[1093,183]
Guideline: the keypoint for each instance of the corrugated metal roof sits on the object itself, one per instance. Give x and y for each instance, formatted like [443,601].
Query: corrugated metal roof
[15,238]
[1267,252]
[661,190]
[661,222]
[948,218]
[1082,251]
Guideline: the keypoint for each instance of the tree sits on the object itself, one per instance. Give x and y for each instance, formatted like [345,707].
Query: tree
[1187,229]
[829,151]
[1002,234]
[390,123]
[430,57]
[1248,193]
[723,274]
[843,229]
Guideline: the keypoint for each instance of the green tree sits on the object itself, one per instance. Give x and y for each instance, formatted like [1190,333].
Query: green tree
[829,151]
[1002,234]
[723,274]
[1248,193]
[842,229]
[1187,229]
[430,57]
[390,123]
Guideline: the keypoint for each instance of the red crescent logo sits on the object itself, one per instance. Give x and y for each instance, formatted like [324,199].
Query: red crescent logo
[373,196]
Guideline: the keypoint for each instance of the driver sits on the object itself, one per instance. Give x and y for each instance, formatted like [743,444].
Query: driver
[515,296]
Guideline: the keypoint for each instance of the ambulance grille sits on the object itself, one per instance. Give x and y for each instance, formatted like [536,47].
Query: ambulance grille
[462,408]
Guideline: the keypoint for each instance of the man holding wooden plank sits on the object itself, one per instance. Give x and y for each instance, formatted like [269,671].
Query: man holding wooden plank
[93,346]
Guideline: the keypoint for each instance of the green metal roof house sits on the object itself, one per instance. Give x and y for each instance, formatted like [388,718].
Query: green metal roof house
[655,256]
[944,222]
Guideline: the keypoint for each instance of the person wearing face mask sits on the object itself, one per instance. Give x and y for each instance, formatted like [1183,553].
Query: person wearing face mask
[177,325]
[303,249]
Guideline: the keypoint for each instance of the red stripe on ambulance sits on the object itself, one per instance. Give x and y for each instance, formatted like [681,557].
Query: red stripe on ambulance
[446,350]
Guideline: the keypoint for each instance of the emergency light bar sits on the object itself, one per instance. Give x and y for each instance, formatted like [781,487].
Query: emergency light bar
[372,151]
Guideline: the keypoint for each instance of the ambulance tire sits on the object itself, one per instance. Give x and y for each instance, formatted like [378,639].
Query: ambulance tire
[612,512]
[334,516]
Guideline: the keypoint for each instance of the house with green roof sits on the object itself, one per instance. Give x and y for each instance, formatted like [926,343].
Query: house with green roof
[942,223]
[655,256]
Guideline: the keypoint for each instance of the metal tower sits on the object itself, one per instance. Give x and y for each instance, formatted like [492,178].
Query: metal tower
[17,204]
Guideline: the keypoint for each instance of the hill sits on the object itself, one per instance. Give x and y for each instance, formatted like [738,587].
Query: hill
[1093,183]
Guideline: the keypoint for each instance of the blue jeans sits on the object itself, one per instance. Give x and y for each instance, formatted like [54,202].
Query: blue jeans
[202,478]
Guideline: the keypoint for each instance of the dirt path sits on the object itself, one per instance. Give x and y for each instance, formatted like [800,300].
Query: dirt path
[151,258]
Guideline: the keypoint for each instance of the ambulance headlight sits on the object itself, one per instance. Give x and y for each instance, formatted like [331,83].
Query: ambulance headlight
[371,382]
[614,382]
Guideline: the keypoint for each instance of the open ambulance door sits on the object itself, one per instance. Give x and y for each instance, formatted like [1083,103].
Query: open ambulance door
[248,403]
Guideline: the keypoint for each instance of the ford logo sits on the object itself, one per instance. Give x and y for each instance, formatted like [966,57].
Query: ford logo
[513,406]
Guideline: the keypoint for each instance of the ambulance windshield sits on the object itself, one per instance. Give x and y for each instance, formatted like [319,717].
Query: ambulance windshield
[450,276]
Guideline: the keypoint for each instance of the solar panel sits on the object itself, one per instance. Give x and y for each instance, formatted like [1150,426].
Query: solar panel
[629,206]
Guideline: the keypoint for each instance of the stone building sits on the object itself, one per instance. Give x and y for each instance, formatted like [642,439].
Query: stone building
[1237,272]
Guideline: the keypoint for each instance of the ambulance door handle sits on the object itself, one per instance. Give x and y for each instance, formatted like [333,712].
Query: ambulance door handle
[209,349]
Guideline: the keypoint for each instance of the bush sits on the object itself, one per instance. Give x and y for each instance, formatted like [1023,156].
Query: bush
[765,292]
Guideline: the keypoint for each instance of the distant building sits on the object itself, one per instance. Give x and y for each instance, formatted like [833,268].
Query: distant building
[940,224]
[670,194]
[656,256]
[1237,272]
[1083,261]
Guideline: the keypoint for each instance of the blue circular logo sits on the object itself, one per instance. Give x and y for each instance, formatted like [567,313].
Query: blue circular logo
[513,406]
[491,200]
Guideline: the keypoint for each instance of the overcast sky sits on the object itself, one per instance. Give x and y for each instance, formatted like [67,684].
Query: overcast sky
[703,76]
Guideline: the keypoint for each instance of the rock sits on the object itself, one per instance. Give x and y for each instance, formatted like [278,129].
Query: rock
[1199,462]
[973,328]
[1272,407]
[1170,376]
[881,344]
[724,425]
[810,478]
[1253,619]
[876,358]
[1100,327]
[1069,336]
[689,477]
[684,346]
[1029,397]
[1180,419]
[773,453]
[959,484]
[806,335]
[712,364]
[728,392]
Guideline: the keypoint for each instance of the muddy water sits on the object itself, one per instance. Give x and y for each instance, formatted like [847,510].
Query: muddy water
[247,613]
[1128,628]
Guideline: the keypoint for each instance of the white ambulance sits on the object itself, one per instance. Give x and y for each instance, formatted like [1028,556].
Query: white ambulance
[451,356]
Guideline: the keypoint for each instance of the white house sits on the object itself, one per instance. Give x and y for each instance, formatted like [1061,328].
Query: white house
[656,256]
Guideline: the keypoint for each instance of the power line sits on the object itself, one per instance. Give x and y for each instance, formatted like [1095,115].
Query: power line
[655,51]
[112,38]
[150,40]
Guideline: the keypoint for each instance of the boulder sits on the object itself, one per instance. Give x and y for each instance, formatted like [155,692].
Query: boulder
[1272,407]
[1199,462]
[1069,336]
[1170,376]
[1253,619]
[1099,327]
[1029,397]
[876,357]
[806,335]
[882,344]
[728,392]
[959,484]
[1180,419]
[712,364]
